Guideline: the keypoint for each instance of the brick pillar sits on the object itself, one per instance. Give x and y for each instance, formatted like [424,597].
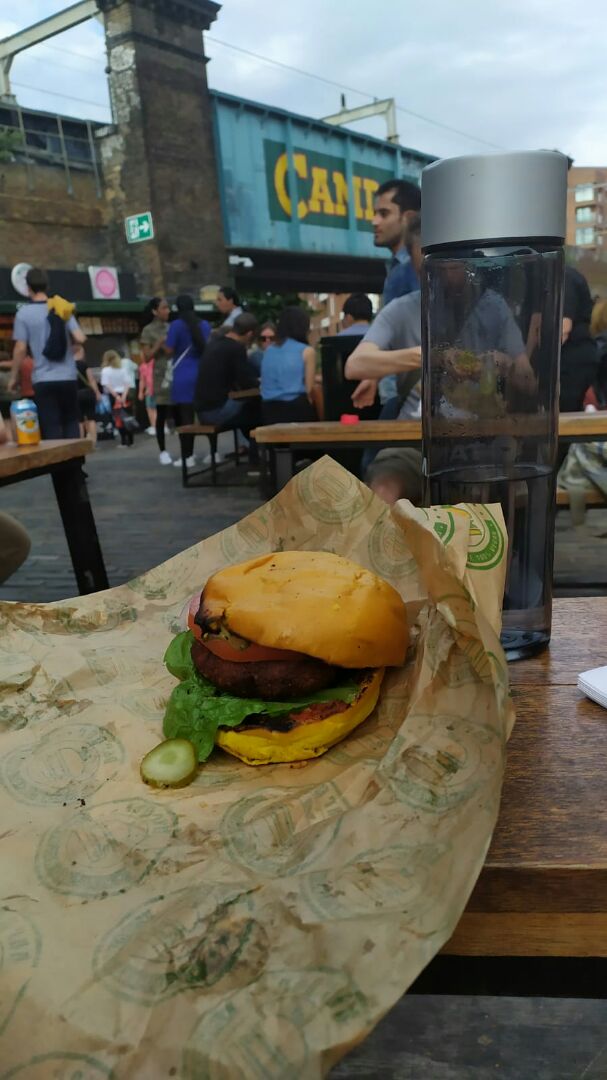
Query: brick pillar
[159,155]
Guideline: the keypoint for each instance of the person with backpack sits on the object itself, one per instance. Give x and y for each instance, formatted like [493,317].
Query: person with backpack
[47,327]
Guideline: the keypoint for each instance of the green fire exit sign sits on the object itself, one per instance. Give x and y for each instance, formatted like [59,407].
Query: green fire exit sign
[139,227]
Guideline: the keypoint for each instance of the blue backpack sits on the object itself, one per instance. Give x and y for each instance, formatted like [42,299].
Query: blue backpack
[56,343]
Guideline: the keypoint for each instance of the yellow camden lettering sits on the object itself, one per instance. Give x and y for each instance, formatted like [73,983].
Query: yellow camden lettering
[320,199]
[370,187]
[280,182]
[358,210]
[328,196]
[341,193]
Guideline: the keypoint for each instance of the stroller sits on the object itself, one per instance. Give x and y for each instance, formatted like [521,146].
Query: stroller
[106,428]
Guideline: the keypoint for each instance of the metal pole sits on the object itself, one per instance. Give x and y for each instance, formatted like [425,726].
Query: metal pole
[93,149]
[28,171]
[352,226]
[66,164]
[294,223]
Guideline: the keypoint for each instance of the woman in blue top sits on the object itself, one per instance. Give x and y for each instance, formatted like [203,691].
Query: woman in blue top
[185,343]
[287,371]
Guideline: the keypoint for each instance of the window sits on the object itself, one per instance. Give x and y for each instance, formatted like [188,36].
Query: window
[584,236]
[584,193]
[584,213]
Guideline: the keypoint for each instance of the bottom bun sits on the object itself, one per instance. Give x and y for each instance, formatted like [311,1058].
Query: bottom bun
[258,746]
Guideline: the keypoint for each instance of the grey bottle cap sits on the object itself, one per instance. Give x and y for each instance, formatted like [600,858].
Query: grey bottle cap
[484,197]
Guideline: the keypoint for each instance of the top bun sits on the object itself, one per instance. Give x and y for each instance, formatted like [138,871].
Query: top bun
[312,602]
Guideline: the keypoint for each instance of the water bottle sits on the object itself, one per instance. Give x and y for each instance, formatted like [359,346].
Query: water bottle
[493,229]
[25,416]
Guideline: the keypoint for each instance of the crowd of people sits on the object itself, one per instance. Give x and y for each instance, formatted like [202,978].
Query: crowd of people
[187,372]
[388,360]
[190,371]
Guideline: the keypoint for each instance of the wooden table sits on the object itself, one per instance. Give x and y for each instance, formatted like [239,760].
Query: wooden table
[543,889]
[283,440]
[62,459]
[242,395]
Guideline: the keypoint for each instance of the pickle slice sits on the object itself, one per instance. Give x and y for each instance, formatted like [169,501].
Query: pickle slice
[171,764]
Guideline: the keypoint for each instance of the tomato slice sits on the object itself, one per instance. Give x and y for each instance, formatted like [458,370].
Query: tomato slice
[192,612]
[224,650]
[252,653]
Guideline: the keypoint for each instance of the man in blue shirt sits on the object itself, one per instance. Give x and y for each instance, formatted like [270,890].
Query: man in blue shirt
[396,203]
[357,315]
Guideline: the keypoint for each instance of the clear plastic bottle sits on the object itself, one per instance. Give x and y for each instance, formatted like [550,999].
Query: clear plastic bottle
[493,228]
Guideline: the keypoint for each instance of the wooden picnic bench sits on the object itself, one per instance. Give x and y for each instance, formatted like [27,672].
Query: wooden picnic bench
[212,431]
[283,441]
[593,499]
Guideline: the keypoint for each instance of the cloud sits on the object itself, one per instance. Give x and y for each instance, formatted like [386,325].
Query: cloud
[516,73]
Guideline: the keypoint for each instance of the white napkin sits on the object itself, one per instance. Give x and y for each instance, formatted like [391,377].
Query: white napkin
[594,684]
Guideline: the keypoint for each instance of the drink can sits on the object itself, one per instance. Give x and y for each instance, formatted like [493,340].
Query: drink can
[25,416]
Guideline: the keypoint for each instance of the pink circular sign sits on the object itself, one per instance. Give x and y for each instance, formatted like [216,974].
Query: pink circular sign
[105,282]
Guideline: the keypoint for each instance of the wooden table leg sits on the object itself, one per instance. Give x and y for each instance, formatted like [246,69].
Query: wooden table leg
[79,525]
[265,473]
[284,465]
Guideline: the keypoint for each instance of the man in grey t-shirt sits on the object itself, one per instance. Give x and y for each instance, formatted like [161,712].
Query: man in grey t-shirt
[392,346]
[54,381]
[392,343]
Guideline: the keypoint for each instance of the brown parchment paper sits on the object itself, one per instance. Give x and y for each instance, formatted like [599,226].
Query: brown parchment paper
[260,922]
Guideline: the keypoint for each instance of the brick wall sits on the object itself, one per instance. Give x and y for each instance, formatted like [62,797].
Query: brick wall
[42,224]
[160,156]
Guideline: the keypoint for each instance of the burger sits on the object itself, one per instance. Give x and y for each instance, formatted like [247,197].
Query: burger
[283,657]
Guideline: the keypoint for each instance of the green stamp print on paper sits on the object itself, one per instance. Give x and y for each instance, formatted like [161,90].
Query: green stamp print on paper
[261,832]
[68,763]
[333,496]
[19,954]
[445,658]
[444,526]
[486,545]
[446,768]
[60,1066]
[303,993]
[241,1045]
[193,939]
[373,883]
[250,537]
[108,616]
[105,850]
[388,553]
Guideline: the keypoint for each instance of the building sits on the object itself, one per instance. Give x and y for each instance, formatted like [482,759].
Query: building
[587,209]
[326,311]
[186,188]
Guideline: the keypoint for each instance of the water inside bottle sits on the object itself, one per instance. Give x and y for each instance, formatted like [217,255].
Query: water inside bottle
[526,494]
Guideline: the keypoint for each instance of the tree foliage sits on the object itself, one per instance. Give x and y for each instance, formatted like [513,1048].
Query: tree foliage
[267,306]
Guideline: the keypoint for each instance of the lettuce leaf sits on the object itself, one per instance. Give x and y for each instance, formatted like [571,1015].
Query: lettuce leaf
[178,657]
[196,708]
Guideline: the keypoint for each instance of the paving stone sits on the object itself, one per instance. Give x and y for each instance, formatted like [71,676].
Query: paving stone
[144,517]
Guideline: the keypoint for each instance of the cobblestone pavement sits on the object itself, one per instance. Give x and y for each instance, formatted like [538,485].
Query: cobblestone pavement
[143,514]
[144,517]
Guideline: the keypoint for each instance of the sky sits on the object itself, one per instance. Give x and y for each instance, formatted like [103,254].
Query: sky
[469,76]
